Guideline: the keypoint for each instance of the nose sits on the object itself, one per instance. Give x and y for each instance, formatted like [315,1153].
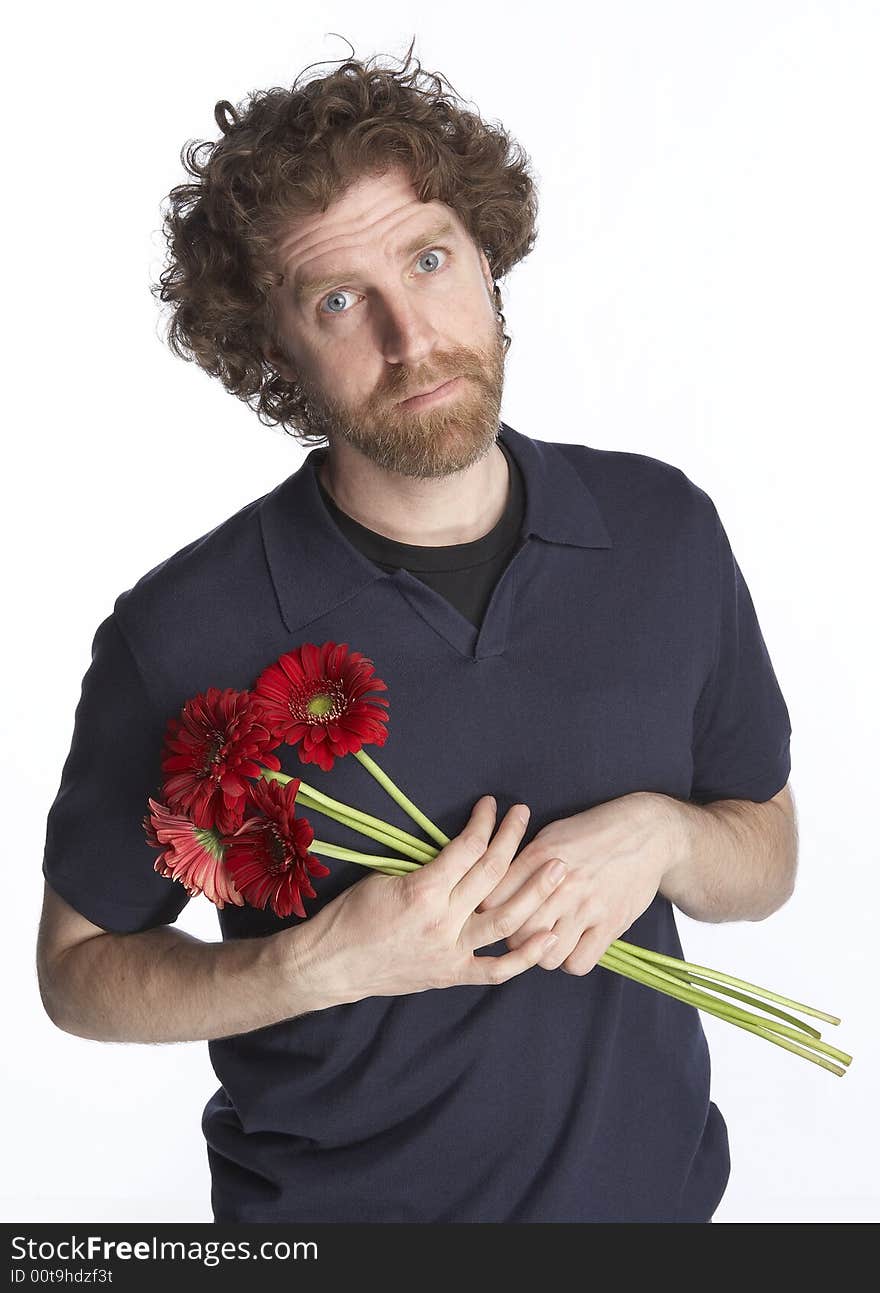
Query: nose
[407,335]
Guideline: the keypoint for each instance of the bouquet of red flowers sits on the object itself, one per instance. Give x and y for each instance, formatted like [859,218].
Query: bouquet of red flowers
[227,826]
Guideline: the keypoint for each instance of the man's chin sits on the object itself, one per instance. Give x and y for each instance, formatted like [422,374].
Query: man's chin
[430,444]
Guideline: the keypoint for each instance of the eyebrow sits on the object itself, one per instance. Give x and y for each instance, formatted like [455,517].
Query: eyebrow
[306,288]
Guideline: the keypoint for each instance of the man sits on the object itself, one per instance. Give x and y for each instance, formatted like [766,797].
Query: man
[563,627]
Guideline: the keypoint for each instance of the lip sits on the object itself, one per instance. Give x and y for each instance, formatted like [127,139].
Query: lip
[440,392]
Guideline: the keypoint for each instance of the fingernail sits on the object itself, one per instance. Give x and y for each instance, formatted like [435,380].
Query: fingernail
[557,871]
[548,942]
[493,802]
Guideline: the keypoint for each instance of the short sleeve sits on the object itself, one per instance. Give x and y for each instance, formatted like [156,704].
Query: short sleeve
[96,853]
[742,730]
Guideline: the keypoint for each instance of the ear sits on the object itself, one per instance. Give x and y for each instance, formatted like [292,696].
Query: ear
[487,275]
[279,361]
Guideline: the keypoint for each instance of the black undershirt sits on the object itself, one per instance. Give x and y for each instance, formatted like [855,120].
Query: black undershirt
[464,573]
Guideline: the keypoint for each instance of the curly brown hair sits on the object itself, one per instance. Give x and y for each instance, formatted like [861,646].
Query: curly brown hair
[289,153]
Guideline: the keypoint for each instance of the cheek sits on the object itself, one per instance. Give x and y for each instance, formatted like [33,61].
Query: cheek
[479,317]
[344,375]
[464,312]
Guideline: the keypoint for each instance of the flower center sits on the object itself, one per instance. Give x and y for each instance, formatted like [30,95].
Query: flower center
[211,841]
[281,855]
[215,742]
[322,702]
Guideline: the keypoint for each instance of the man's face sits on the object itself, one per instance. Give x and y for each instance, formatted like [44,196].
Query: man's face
[378,305]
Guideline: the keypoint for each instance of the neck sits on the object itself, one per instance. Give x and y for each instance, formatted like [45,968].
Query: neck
[434,512]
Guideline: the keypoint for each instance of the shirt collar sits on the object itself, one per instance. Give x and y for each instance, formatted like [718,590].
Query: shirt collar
[314,568]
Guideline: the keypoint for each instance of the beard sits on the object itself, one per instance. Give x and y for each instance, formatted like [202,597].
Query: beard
[433,441]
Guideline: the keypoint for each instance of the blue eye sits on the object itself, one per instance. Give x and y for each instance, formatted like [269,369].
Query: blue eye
[335,296]
[433,252]
[342,292]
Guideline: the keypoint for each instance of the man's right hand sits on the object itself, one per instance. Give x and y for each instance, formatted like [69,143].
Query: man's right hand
[393,935]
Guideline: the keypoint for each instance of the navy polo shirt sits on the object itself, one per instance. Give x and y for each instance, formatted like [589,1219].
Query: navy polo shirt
[619,651]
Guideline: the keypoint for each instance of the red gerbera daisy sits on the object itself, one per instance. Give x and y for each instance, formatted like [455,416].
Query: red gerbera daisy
[315,696]
[191,855]
[217,743]
[268,856]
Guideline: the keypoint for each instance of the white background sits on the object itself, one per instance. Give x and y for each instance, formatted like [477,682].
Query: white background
[704,289]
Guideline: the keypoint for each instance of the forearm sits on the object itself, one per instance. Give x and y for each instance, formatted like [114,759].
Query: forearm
[731,860]
[163,985]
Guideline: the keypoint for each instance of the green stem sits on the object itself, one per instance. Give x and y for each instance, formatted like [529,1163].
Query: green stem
[687,977]
[381,837]
[367,818]
[393,866]
[675,976]
[674,962]
[373,827]
[400,798]
[643,975]
[697,995]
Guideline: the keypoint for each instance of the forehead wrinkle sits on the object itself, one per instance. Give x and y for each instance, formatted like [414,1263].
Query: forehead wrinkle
[441,227]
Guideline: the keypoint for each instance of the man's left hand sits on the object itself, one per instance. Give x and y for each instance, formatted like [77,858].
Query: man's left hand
[616,854]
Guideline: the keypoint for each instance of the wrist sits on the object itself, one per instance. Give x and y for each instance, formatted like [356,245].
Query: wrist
[313,973]
[679,848]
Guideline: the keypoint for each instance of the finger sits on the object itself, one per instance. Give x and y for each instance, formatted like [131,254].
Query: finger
[529,861]
[555,914]
[584,956]
[482,877]
[498,969]
[485,928]
[457,857]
